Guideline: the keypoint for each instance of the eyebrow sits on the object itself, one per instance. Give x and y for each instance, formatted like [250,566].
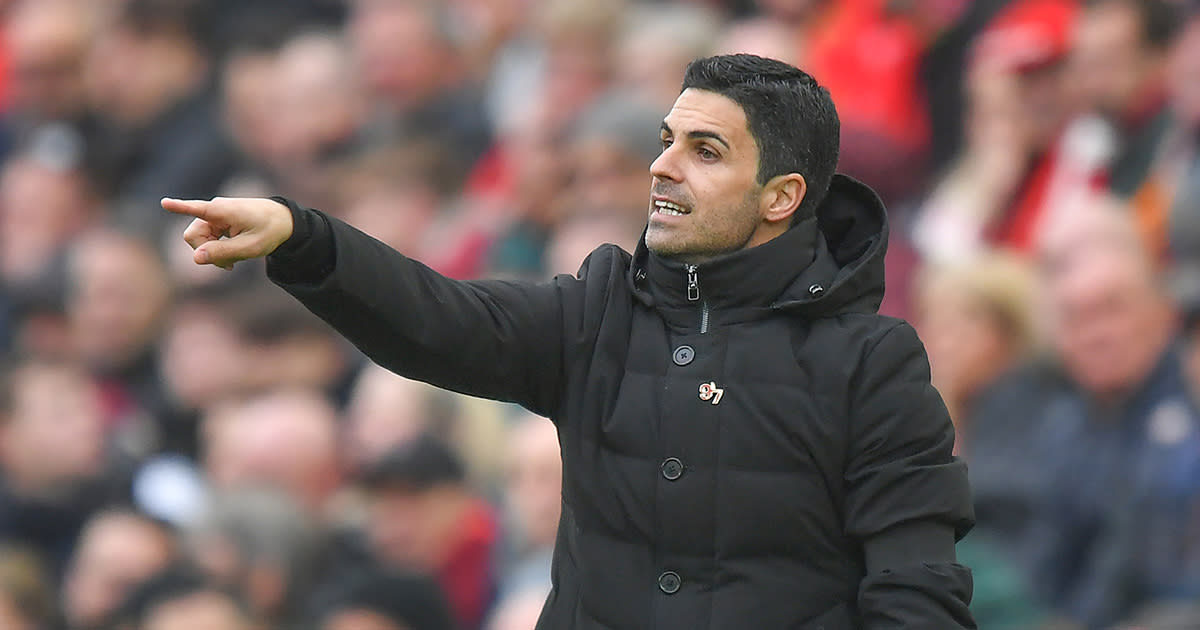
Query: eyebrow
[699,133]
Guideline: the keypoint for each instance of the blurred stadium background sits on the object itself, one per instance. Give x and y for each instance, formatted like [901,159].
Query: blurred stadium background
[186,448]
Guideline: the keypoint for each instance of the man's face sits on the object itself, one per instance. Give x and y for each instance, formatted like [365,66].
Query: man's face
[55,434]
[1107,321]
[403,524]
[1109,60]
[115,553]
[707,174]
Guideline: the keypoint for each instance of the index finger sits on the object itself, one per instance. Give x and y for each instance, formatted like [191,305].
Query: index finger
[191,207]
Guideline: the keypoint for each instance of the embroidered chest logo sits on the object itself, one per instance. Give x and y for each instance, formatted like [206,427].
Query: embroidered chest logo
[710,391]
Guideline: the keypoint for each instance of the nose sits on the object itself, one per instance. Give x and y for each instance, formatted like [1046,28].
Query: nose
[664,167]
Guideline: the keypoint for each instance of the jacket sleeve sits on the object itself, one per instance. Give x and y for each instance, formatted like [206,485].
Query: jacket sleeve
[907,498]
[493,339]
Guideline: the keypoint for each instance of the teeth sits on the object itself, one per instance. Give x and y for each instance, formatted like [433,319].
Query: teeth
[669,208]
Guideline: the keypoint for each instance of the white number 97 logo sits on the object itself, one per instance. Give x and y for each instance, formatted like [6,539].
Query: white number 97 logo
[710,391]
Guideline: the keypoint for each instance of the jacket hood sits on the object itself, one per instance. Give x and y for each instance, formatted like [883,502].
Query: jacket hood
[831,263]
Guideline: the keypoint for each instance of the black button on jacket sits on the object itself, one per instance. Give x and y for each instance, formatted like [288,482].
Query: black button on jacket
[817,487]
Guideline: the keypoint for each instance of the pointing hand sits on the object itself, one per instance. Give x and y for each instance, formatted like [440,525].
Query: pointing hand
[230,230]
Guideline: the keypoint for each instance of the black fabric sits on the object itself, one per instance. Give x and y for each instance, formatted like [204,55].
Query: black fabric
[805,422]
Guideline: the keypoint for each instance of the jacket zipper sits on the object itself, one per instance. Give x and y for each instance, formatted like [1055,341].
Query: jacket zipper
[693,294]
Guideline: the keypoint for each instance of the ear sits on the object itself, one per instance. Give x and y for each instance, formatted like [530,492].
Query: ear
[782,196]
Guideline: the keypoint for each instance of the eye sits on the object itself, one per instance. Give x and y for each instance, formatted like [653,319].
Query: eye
[706,153]
[666,142]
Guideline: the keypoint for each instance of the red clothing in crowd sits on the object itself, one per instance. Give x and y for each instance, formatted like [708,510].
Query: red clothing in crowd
[466,576]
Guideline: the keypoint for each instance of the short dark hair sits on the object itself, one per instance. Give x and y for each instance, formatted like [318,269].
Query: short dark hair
[417,465]
[1159,20]
[791,117]
[411,599]
[173,583]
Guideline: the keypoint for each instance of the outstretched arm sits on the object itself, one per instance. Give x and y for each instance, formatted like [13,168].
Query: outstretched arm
[494,339]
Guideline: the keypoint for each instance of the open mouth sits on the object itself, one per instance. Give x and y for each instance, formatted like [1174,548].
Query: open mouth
[670,208]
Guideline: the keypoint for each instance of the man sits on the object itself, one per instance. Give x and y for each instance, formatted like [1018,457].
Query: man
[54,468]
[381,600]
[422,516]
[1118,60]
[179,598]
[118,550]
[241,441]
[746,444]
[1118,63]
[1087,463]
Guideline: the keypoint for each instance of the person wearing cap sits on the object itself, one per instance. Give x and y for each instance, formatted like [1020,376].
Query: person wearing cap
[746,442]
[422,516]
[1016,167]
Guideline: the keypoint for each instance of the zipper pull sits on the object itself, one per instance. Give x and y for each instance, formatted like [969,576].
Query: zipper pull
[693,284]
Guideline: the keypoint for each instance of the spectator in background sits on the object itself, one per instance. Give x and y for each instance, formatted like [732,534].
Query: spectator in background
[423,517]
[491,34]
[869,56]
[260,543]
[521,179]
[46,200]
[116,301]
[648,65]
[248,100]
[1111,423]
[386,411]
[149,79]
[202,359]
[117,551]
[53,463]
[286,439]
[382,600]
[178,598]
[47,43]
[576,237]
[395,194]
[524,191]
[976,320]
[1015,168]
[315,110]
[287,347]
[760,36]
[415,75]
[533,492]
[579,38]
[26,596]
[611,147]
[1118,65]
[943,74]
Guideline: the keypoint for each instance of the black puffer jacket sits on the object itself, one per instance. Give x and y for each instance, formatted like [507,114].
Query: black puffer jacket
[746,444]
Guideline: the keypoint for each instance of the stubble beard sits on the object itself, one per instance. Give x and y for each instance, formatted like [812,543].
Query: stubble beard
[701,243]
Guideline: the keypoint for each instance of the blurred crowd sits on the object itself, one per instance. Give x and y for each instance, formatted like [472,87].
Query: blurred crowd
[185,448]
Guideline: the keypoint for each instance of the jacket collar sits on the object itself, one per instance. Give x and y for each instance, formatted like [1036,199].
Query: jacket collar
[829,263]
[747,278]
